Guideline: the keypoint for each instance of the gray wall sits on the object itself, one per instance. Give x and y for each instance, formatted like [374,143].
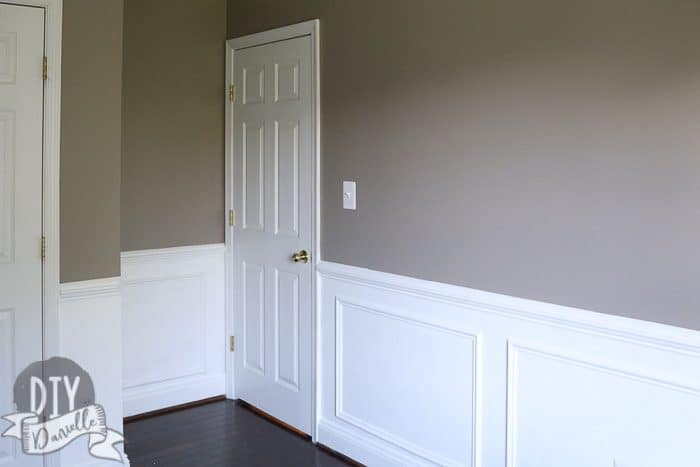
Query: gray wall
[173,123]
[90,138]
[541,149]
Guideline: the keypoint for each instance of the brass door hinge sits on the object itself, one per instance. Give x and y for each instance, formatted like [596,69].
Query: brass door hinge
[232,217]
[233,344]
[232,93]
[45,69]
[43,247]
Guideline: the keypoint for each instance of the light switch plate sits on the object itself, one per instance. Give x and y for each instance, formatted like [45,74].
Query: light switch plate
[349,196]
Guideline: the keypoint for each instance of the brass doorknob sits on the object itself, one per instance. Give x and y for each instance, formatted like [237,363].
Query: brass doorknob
[301,257]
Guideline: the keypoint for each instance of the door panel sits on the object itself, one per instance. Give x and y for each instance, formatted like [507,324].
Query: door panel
[21,106]
[254,316]
[272,185]
[253,176]
[287,329]
[287,178]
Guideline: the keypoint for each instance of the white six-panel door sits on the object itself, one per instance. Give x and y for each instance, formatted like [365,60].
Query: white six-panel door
[272,191]
[21,103]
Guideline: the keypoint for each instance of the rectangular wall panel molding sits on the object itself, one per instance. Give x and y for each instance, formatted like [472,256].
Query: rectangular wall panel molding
[174,333]
[414,372]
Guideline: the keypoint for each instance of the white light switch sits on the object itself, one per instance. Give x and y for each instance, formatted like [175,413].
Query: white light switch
[349,196]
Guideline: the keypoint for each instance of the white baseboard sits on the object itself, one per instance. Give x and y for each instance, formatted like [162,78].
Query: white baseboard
[363,448]
[171,393]
[174,326]
[414,372]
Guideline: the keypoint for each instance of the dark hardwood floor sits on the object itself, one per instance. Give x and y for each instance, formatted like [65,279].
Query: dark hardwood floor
[219,434]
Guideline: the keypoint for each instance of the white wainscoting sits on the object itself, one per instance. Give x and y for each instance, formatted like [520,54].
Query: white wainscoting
[174,326]
[413,372]
[90,323]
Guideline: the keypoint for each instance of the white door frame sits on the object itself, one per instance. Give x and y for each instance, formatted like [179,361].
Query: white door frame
[307,28]
[53,21]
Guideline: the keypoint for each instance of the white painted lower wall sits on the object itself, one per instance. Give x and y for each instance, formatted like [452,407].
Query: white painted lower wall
[174,326]
[413,372]
[90,322]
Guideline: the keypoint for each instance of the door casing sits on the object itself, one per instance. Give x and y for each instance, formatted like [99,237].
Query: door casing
[307,28]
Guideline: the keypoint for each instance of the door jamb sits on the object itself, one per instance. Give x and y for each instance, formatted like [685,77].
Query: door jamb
[307,28]
[53,21]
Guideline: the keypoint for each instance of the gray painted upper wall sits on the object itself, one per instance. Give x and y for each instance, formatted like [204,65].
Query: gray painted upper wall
[172,191]
[542,149]
[170,175]
[91,85]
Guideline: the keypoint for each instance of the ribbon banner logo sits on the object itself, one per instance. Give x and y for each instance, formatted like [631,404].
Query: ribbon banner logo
[55,402]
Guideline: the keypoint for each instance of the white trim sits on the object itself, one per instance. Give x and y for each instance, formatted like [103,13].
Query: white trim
[475,337]
[617,327]
[228,230]
[148,397]
[178,251]
[89,289]
[307,28]
[316,219]
[516,348]
[368,450]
